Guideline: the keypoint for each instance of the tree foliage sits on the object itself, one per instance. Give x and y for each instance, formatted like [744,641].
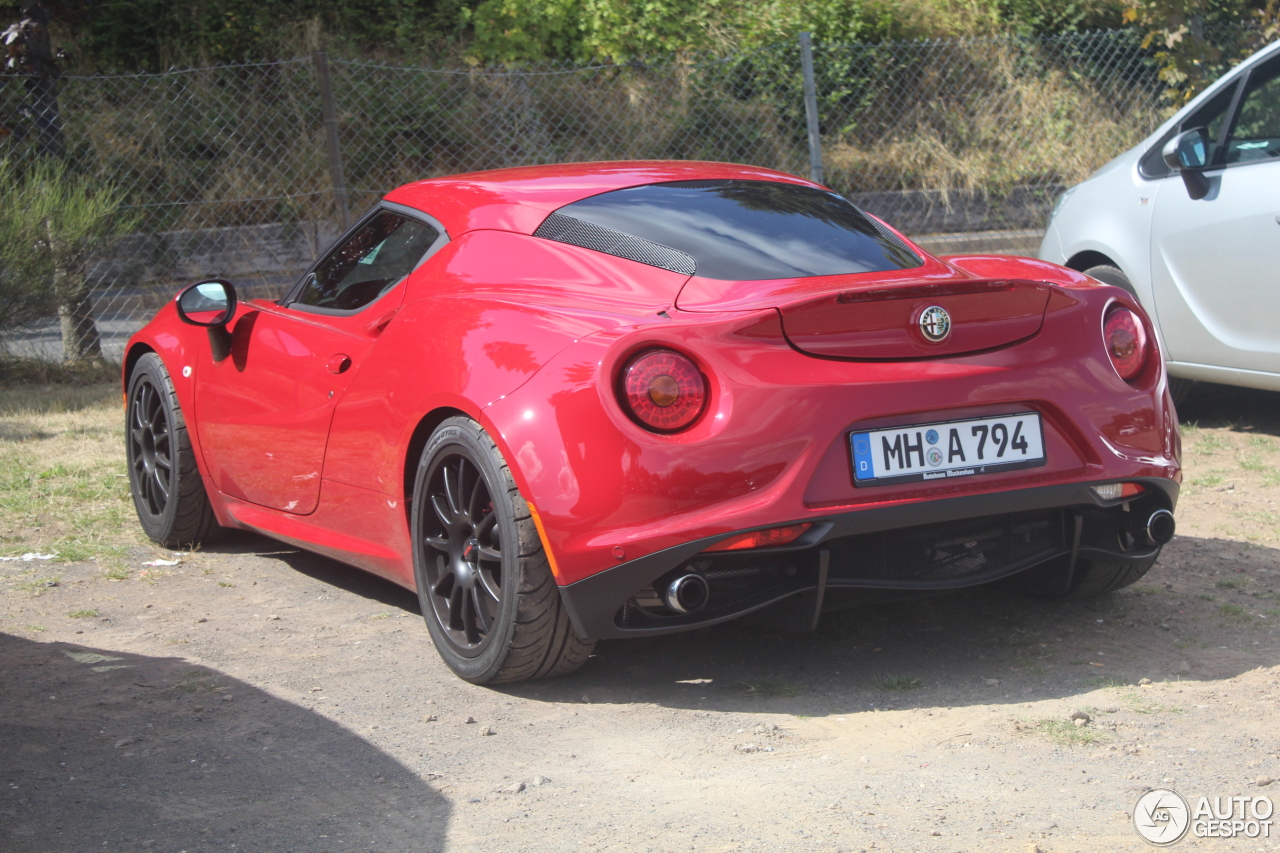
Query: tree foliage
[1178,31]
[151,35]
[51,220]
[621,30]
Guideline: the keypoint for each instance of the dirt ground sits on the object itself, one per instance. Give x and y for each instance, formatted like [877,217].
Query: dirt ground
[257,698]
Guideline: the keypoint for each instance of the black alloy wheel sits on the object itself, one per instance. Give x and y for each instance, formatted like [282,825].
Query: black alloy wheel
[151,464]
[484,581]
[168,492]
[464,552]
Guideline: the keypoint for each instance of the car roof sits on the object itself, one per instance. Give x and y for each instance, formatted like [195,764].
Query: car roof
[519,199]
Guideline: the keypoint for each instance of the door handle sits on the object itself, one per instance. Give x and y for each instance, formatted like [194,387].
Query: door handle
[338,363]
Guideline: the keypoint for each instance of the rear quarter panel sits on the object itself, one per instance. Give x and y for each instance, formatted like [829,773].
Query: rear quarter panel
[480,318]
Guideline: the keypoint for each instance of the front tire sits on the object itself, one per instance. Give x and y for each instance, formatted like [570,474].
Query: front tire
[484,582]
[1108,274]
[168,492]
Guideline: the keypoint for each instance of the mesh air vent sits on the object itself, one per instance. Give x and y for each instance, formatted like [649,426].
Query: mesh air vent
[566,229]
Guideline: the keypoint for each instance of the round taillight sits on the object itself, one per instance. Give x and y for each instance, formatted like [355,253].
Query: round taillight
[1126,341]
[663,390]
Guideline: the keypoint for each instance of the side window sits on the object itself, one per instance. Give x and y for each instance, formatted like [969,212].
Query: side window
[1210,116]
[368,263]
[1256,132]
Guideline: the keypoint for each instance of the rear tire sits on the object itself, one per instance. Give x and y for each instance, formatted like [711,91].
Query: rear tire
[1094,577]
[484,582]
[168,492]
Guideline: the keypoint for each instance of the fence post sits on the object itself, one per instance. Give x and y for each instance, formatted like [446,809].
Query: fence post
[811,109]
[321,60]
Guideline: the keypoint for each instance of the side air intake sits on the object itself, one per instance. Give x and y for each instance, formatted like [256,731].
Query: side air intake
[566,229]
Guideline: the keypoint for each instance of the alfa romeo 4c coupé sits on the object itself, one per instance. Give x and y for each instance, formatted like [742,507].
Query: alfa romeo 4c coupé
[567,403]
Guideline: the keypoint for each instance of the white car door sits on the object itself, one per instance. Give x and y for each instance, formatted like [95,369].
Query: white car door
[1216,261]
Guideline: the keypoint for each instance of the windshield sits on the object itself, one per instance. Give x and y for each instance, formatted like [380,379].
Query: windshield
[732,230]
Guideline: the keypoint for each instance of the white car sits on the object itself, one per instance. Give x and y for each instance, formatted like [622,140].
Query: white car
[1189,222]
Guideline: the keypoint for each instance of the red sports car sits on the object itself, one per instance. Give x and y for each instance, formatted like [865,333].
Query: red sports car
[567,403]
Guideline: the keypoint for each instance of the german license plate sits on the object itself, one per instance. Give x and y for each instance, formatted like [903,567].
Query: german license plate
[946,450]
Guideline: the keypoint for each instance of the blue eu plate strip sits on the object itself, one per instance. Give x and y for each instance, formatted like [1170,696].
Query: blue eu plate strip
[864,466]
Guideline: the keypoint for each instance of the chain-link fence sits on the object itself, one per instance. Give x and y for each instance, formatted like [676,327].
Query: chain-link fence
[246,172]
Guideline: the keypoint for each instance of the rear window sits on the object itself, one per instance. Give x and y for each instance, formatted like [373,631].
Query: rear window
[731,230]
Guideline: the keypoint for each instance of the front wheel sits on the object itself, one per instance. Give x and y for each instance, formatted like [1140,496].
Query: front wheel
[168,492]
[484,583]
[1108,274]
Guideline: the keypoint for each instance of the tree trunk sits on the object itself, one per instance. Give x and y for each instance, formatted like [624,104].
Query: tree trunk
[80,339]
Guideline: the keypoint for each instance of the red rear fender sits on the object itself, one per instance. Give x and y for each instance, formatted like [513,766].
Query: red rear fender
[439,352]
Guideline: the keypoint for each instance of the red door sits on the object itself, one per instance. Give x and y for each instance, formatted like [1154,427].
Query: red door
[264,413]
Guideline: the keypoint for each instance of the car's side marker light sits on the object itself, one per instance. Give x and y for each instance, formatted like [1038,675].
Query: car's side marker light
[774,537]
[546,544]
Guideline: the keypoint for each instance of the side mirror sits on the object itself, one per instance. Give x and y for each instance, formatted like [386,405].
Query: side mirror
[1188,153]
[211,304]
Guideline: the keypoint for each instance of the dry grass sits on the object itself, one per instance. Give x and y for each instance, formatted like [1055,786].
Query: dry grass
[63,487]
[1066,732]
[1224,464]
[1002,128]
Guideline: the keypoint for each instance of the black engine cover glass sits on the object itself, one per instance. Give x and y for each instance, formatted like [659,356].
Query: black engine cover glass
[743,230]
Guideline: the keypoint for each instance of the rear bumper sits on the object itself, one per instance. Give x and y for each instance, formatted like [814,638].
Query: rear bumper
[936,545]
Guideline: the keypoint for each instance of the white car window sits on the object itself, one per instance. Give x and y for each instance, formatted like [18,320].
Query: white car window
[1211,116]
[1256,133]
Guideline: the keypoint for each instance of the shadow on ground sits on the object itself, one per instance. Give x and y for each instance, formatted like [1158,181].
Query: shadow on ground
[327,571]
[979,646]
[1211,405]
[988,645]
[107,750]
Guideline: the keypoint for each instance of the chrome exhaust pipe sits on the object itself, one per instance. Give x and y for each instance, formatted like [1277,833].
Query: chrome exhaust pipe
[687,594]
[1159,527]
